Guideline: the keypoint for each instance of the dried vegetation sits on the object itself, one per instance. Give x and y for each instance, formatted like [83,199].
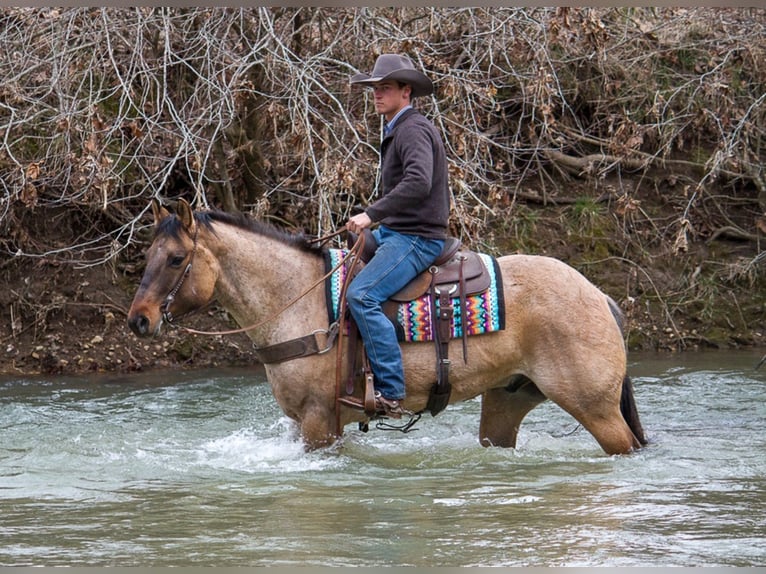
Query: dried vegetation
[629,141]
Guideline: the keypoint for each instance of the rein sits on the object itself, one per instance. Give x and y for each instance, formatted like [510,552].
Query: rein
[167,316]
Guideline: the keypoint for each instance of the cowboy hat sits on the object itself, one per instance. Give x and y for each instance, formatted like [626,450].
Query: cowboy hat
[396,68]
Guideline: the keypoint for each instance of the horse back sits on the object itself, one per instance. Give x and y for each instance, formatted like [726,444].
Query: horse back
[547,297]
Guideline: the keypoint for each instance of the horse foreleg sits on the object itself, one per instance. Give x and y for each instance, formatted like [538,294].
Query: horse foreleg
[318,428]
[503,409]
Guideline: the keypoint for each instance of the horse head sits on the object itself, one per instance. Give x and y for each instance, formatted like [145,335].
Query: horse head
[180,274]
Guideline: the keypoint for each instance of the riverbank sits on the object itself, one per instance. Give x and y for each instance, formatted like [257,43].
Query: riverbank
[60,320]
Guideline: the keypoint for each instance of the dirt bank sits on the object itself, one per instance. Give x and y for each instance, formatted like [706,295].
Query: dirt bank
[57,319]
[60,320]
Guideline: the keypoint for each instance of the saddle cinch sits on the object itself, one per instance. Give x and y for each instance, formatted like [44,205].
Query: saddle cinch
[455,274]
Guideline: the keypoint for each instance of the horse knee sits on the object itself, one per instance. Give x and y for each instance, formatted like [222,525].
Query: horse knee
[613,435]
[318,432]
[620,445]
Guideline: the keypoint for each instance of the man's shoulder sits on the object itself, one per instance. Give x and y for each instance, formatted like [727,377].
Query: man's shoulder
[413,119]
[411,115]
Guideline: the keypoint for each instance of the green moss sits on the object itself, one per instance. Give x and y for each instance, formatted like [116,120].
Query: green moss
[519,230]
[717,336]
[587,214]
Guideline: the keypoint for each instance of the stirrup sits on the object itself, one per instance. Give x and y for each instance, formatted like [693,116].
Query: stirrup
[351,402]
[383,407]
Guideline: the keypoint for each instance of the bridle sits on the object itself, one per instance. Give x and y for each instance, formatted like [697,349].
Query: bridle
[165,306]
[330,333]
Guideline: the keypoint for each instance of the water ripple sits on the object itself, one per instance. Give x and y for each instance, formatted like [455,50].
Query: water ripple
[203,469]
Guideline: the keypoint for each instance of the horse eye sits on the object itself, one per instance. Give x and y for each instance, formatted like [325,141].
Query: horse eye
[176,260]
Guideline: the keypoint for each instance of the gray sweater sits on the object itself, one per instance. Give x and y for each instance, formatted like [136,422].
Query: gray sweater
[415,184]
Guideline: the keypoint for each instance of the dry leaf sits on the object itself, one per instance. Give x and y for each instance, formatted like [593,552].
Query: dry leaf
[33,171]
[29,195]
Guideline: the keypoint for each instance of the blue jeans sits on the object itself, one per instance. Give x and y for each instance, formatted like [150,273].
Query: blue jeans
[398,260]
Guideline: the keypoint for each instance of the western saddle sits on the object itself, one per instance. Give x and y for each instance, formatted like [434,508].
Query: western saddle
[455,274]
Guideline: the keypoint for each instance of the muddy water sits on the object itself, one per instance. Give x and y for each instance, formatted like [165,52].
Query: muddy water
[201,468]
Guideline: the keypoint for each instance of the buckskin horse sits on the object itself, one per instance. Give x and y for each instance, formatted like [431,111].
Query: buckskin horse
[562,339]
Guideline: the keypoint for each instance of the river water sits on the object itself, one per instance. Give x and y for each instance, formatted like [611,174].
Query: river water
[202,469]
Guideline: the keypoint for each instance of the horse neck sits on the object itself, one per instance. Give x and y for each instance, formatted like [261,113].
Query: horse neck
[258,275]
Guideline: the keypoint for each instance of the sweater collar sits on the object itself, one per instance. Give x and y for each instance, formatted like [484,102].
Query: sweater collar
[390,125]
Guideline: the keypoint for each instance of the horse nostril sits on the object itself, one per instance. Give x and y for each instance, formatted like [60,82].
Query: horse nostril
[139,325]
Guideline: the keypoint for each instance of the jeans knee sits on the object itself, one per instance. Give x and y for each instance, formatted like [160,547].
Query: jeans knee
[354,297]
[358,302]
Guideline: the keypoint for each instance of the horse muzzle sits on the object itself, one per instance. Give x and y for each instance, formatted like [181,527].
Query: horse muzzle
[141,325]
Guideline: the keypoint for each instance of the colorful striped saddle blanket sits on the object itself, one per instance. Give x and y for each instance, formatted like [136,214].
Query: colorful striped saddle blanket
[485,311]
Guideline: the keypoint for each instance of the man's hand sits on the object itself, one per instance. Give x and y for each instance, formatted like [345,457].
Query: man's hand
[358,222]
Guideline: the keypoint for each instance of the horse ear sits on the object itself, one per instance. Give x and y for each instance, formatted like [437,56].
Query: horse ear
[158,211]
[185,214]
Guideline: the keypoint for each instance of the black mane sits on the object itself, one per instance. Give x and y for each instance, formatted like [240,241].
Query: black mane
[172,225]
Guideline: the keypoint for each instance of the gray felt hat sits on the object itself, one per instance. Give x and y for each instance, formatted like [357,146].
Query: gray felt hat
[396,68]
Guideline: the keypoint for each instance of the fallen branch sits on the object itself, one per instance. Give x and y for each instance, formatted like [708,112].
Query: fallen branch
[549,200]
[732,232]
[592,163]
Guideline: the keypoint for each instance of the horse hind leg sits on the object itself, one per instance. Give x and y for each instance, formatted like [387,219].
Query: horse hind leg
[503,409]
[612,433]
[605,419]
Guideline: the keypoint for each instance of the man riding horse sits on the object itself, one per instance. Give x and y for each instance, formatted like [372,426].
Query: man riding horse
[412,210]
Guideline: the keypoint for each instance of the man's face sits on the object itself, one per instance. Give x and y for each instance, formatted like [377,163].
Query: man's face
[390,97]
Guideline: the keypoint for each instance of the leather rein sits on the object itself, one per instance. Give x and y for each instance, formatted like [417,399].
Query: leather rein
[302,346]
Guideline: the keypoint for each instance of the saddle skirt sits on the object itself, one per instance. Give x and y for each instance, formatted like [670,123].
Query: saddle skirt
[410,310]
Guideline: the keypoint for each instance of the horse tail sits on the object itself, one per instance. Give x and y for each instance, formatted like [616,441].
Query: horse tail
[627,399]
[630,412]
